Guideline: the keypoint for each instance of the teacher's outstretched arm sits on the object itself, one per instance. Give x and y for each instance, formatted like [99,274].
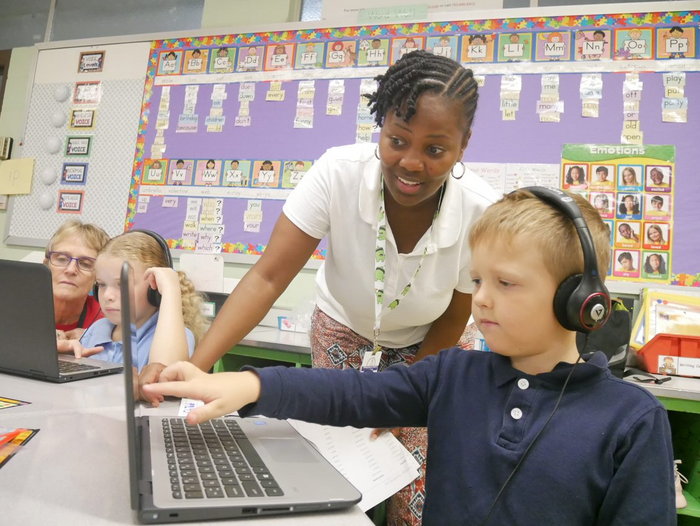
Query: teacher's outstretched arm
[289,249]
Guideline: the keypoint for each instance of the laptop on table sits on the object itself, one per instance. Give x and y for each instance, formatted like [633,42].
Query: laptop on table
[28,329]
[226,468]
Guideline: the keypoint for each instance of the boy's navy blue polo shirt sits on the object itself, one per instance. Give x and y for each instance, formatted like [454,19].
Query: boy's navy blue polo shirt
[604,459]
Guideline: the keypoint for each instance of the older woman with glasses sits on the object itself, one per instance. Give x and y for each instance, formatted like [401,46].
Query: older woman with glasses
[70,256]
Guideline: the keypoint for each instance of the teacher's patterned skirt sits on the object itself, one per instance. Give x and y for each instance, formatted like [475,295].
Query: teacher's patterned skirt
[335,346]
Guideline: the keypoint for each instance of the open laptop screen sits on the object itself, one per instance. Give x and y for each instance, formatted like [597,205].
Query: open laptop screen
[128,312]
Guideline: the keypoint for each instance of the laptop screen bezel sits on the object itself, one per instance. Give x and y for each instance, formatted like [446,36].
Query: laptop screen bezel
[128,315]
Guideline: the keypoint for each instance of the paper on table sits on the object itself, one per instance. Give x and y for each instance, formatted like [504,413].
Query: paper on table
[377,469]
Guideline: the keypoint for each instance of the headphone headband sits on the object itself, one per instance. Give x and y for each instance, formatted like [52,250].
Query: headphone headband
[582,302]
[159,239]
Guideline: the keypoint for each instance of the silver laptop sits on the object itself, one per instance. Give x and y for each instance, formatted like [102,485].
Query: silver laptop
[28,329]
[227,468]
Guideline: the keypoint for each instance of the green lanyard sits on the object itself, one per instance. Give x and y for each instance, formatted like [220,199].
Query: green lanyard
[380,257]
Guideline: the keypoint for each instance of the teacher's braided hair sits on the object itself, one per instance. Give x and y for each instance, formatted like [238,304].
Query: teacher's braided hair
[419,72]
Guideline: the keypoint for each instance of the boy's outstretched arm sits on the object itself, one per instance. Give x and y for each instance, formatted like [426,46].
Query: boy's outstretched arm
[399,396]
[222,393]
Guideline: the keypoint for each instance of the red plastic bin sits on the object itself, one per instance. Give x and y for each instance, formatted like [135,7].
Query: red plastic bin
[668,345]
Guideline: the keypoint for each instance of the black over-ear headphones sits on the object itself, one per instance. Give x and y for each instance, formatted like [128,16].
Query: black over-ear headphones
[154,297]
[582,302]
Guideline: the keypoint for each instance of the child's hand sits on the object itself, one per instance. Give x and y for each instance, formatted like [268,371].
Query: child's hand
[163,279]
[74,334]
[150,375]
[221,393]
[73,346]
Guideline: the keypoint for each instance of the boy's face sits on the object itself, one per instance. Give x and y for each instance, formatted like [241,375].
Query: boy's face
[627,264]
[376,44]
[108,274]
[514,38]
[602,175]
[180,165]
[635,34]
[267,166]
[513,301]
[657,204]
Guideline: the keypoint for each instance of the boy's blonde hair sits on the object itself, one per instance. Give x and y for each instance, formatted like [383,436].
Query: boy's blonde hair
[93,236]
[553,233]
[137,246]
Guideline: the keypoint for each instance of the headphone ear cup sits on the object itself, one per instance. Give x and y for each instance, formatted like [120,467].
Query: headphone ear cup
[154,297]
[561,302]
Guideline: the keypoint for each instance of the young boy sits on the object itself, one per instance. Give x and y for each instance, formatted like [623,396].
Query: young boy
[605,458]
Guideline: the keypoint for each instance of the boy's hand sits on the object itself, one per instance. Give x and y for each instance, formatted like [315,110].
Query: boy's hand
[73,346]
[396,431]
[163,279]
[150,375]
[221,393]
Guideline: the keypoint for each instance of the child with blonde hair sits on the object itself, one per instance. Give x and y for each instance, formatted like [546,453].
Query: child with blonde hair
[530,433]
[168,309]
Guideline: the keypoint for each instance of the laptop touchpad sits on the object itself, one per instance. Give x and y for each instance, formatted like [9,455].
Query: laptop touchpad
[287,450]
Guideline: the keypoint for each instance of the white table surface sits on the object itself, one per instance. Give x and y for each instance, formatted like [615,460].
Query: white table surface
[75,470]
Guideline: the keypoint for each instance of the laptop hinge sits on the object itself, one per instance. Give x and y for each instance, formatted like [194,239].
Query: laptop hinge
[145,487]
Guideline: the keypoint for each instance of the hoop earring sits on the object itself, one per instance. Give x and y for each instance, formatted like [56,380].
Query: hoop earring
[464,170]
[376,152]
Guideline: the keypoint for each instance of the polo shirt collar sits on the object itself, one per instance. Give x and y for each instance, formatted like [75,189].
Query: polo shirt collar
[103,331]
[592,368]
[449,222]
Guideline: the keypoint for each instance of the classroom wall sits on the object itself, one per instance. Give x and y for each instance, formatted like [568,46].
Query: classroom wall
[217,13]
[222,13]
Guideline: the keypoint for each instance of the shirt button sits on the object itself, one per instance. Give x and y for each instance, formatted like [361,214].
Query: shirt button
[516,413]
[523,384]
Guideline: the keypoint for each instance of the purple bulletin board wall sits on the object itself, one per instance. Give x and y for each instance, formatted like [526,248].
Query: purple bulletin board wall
[272,135]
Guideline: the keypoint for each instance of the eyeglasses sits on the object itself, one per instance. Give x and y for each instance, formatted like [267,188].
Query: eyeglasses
[61,259]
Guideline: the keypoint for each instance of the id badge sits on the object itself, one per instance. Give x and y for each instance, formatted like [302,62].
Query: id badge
[370,361]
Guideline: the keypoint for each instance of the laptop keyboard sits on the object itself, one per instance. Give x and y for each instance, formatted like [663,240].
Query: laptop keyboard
[214,460]
[73,367]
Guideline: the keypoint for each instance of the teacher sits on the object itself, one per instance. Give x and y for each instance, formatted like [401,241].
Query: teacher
[396,215]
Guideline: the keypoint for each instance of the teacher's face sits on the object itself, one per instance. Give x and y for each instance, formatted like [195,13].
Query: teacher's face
[417,156]
[71,283]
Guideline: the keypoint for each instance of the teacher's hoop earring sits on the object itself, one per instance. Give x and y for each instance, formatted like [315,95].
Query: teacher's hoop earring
[376,152]
[464,170]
